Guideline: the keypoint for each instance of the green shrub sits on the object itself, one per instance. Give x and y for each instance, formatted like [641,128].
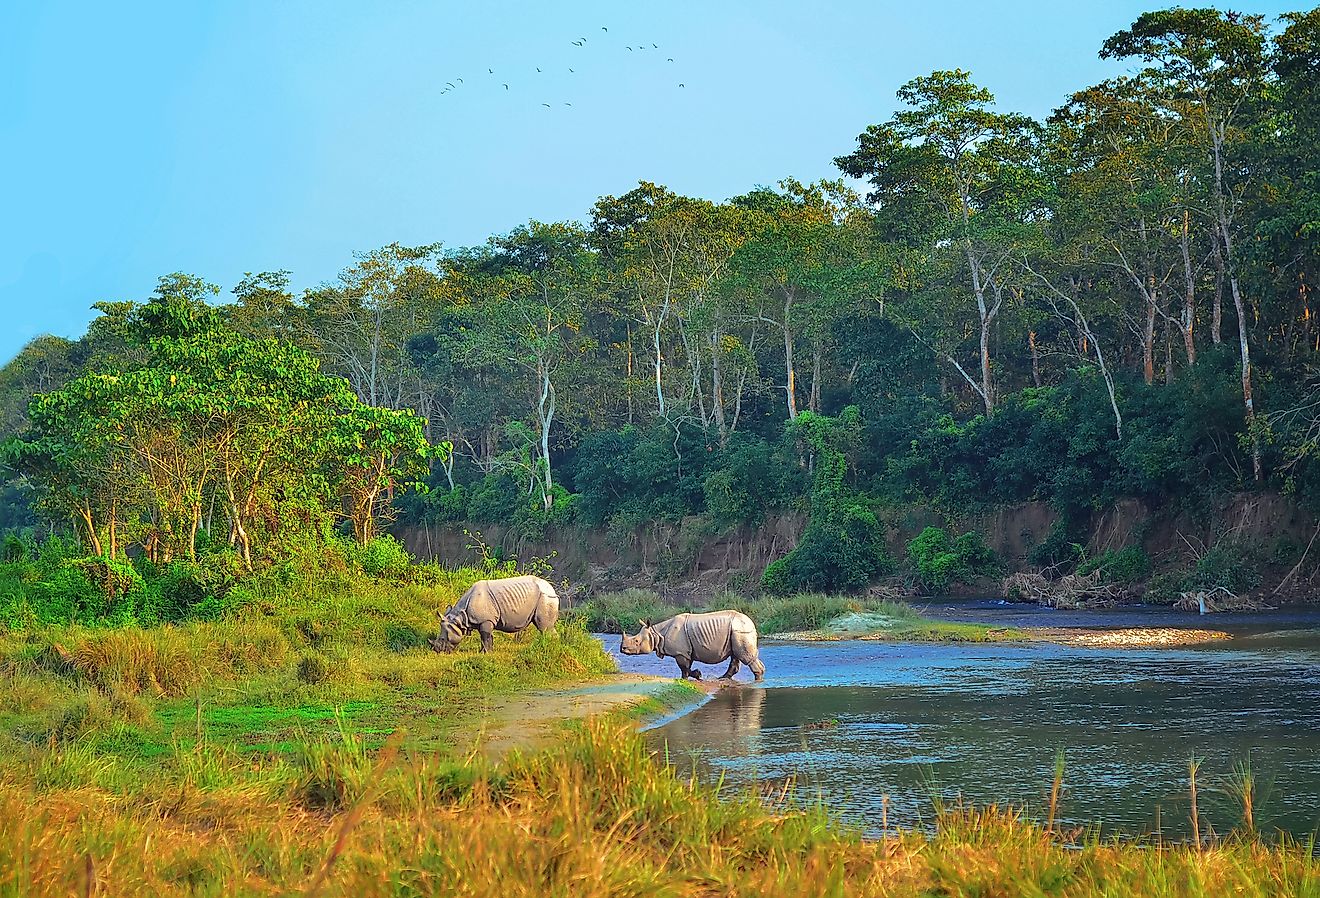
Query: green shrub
[15,548]
[383,556]
[1228,565]
[1127,565]
[937,562]
[843,546]
[1058,547]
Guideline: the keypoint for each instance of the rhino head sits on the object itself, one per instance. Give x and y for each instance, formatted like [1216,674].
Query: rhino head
[451,634]
[641,644]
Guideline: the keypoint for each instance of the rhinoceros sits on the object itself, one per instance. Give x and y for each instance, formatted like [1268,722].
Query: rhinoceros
[709,638]
[510,605]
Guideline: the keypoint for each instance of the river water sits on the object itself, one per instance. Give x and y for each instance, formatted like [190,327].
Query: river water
[853,722]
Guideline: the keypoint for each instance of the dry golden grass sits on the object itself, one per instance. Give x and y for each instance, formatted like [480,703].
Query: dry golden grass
[595,817]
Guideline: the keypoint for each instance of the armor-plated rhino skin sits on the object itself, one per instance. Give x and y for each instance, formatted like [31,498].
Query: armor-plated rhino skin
[510,605]
[709,638]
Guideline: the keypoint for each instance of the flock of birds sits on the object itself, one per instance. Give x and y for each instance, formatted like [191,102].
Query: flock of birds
[580,43]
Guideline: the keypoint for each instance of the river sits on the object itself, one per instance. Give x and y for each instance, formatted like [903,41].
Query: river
[855,721]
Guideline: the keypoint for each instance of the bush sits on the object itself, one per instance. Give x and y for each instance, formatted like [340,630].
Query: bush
[383,556]
[1127,565]
[843,547]
[1228,565]
[937,562]
[192,589]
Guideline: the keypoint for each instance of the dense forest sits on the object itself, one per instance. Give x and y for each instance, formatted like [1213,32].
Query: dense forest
[983,309]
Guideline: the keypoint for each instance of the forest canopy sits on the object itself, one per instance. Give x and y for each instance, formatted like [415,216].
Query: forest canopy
[984,309]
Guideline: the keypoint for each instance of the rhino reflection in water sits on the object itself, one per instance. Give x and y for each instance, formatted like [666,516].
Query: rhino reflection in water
[509,605]
[709,638]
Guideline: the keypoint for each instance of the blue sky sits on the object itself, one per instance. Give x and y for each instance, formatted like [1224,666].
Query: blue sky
[138,139]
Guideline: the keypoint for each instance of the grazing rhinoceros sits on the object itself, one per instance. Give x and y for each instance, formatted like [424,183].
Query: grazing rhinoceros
[709,638]
[509,605]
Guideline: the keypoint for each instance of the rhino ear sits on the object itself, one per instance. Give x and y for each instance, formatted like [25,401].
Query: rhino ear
[645,622]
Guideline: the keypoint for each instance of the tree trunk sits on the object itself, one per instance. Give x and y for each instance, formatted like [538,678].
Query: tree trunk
[546,413]
[987,388]
[1229,263]
[1217,313]
[1035,357]
[790,388]
[1148,343]
[1188,322]
[717,387]
[817,351]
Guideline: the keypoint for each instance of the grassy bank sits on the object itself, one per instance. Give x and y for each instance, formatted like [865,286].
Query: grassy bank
[303,650]
[810,614]
[595,816]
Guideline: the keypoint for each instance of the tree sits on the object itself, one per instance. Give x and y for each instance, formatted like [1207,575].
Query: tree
[969,174]
[1212,66]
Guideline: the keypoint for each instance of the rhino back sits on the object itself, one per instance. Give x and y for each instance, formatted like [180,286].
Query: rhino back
[709,635]
[513,601]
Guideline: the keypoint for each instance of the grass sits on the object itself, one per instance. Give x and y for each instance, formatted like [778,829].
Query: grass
[595,816]
[299,655]
[217,759]
[823,616]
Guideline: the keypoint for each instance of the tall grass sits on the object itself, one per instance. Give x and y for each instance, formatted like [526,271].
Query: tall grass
[294,646]
[595,816]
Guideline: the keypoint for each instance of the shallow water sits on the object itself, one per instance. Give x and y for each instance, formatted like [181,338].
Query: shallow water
[922,722]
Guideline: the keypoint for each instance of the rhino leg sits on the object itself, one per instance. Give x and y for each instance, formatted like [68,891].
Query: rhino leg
[758,669]
[685,665]
[487,631]
[734,664]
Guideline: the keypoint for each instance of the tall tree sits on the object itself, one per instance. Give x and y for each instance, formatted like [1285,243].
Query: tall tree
[1212,67]
[970,174]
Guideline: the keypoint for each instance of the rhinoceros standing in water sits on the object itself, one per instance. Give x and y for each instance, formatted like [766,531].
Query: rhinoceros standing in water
[509,605]
[709,638]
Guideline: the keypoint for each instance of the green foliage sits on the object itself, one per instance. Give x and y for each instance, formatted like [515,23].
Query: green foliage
[843,546]
[1128,565]
[1228,565]
[382,556]
[258,433]
[938,562]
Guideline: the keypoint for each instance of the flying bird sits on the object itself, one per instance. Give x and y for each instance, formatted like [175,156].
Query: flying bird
[570,70]
[603,28]
[671,59]
[460,80]
[492,71]
[682,85]
[538,70]
[449,84]
[629,48]
[546,105]
[506,87]
[657,46]
[568,104]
